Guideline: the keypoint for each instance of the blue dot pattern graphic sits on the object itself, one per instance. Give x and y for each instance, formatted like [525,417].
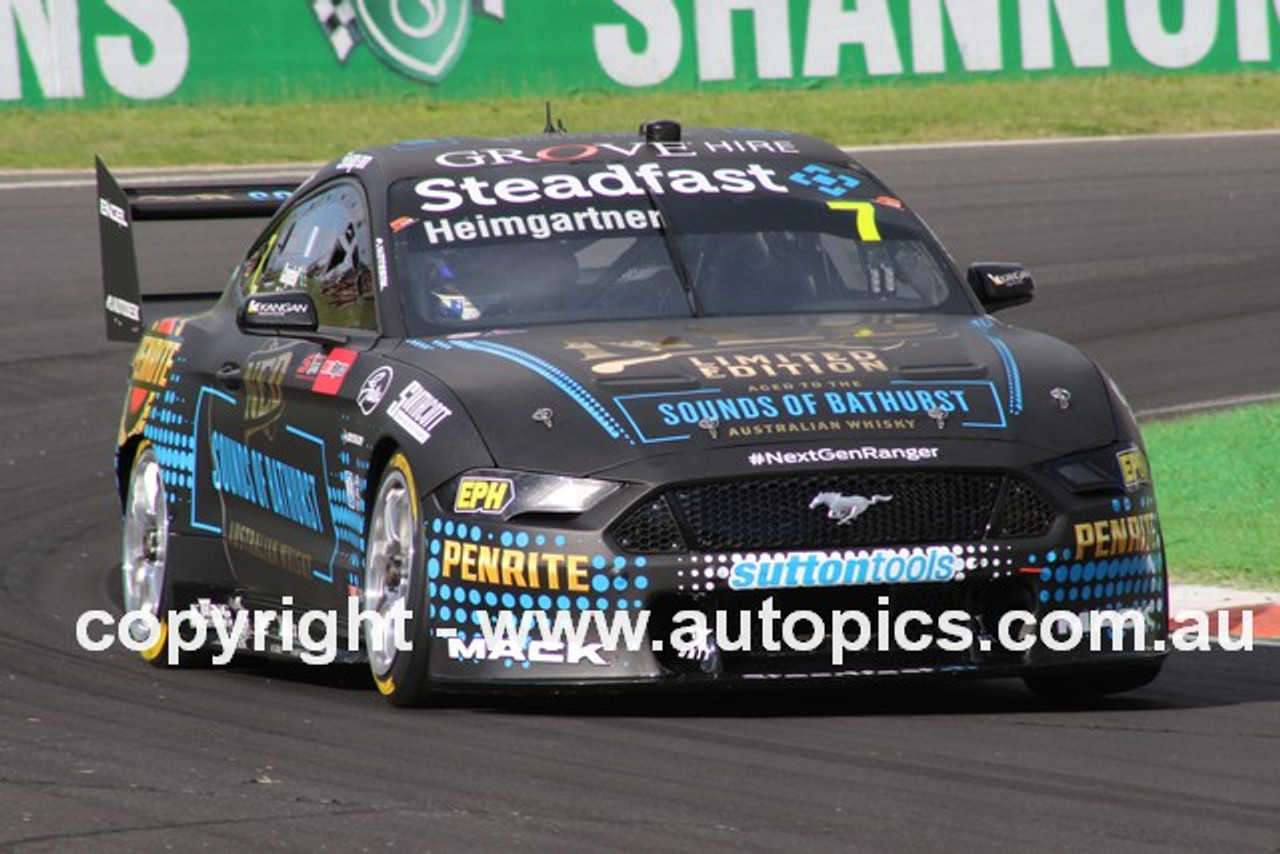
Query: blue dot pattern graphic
[1122,583]
[455,603]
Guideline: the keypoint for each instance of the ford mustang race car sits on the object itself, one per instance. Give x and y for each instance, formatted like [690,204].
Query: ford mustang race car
[714,406]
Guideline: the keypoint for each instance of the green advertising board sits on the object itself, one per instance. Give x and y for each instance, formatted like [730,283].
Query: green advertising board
[94,52]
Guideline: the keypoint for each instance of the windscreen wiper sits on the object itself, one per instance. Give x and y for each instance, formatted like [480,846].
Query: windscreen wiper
[677,259]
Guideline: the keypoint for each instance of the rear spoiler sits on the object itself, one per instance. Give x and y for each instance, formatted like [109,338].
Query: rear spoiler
[120,207]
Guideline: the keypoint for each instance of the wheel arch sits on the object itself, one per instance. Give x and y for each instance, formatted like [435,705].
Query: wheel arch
[383,450]
[126,456]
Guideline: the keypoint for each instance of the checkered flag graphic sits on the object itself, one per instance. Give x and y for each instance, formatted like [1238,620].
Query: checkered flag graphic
[339,21]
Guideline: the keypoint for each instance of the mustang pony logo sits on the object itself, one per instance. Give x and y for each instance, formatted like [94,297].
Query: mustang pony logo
[419,38]
[846,508]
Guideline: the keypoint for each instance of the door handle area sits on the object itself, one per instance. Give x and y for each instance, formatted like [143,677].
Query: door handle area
[230,376]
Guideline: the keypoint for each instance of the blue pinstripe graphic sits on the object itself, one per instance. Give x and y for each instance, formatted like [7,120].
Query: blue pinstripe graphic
[1010,365]
[985,384]
[554,375]
[195,446]
[324,466]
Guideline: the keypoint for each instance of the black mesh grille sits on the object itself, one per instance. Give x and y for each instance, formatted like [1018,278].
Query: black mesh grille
[791,512]
[1024,513]
[650,529]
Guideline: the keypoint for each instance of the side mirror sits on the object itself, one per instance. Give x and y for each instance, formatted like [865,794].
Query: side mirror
[287,312]
[1000,285]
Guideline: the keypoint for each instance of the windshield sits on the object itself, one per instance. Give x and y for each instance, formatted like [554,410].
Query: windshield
[607,242]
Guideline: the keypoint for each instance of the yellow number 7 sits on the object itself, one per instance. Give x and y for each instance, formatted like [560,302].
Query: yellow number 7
[867,229]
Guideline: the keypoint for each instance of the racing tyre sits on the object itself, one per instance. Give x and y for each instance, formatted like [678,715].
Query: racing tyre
[1068,687]
[395,582]
[144,556]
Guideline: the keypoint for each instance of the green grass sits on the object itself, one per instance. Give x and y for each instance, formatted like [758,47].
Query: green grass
[1219,496]
[157,135]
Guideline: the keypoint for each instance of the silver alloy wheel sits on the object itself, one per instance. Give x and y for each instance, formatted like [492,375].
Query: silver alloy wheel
[389,560]
[146,538]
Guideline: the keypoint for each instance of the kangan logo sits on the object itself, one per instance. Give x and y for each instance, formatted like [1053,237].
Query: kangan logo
[419,38]
[846,508]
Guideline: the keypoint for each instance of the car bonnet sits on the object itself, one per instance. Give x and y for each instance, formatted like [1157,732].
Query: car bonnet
[587,397]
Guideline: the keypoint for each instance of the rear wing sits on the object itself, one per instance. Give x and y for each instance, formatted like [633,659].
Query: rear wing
[120,207]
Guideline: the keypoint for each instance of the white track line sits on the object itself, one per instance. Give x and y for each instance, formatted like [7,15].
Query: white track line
[1207,405]
[76,178]
[1070,140]
[52,179]
[162,171]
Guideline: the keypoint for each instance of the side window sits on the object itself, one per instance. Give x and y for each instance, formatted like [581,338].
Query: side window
[247,273]
[325,246]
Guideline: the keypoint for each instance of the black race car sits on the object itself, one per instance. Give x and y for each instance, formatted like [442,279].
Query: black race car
[674,408]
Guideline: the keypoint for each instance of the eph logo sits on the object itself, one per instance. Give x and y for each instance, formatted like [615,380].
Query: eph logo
[488,495]
[418,38]
[1134,468]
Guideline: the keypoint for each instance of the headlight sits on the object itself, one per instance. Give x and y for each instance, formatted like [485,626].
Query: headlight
[508,494]
[1117,468]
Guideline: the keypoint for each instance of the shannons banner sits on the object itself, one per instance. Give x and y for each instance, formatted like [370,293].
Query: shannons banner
[96,52]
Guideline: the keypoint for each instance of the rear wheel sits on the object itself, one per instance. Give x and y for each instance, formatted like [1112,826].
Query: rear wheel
[395,583]
[145,548]
[1083,685]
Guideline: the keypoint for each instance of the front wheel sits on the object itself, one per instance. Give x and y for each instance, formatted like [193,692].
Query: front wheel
[395,589]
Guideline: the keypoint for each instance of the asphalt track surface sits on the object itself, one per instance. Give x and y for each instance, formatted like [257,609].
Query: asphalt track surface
[1159,258]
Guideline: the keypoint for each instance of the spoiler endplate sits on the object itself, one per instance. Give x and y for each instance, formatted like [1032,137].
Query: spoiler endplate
[120,207]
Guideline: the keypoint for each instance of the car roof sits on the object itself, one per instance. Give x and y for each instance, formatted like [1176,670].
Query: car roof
[449,155]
